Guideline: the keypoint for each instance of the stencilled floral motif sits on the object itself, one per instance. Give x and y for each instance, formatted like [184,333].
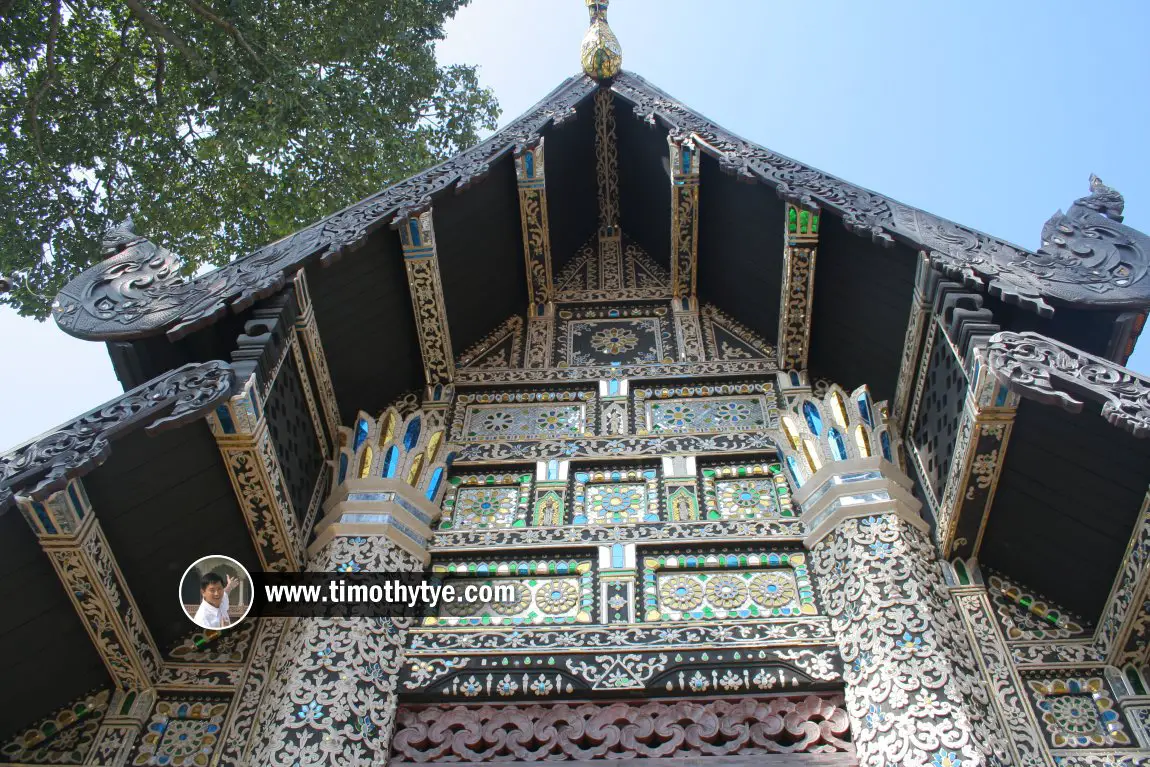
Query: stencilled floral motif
[616,503]
[746,498]
[498,421]
[524,421]
[705,414]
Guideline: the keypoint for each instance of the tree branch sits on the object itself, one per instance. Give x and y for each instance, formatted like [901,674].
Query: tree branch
[33,112]
[158,83]
[229,28]
[154,26]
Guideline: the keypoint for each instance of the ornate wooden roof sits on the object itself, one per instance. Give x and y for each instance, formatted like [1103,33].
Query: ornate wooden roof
[1089,259]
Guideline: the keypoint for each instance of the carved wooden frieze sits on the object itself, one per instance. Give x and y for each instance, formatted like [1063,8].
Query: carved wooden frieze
[1045,370]
[624,730]
[1088,257]
[138,291]
[44,466]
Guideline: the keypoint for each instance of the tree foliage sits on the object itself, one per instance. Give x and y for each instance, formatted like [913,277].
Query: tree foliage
[220,125]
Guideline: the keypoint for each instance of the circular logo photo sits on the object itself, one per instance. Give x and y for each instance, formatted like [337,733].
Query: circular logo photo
[216,592]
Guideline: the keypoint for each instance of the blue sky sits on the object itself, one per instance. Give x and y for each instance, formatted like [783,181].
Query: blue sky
[989,113]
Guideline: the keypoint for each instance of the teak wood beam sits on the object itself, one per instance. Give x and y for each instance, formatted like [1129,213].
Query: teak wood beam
[417,234]
[530,173]
[800,247]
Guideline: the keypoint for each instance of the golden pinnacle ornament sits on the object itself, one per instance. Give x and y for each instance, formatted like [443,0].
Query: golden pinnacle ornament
[600,54]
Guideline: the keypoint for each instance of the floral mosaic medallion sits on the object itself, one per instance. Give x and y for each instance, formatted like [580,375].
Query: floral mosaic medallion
[550,592]
[1078,713]
[482,507]
[726,586]
[181,733]
[630,341]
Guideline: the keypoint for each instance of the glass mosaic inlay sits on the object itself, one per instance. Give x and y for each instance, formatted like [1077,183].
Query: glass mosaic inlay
[683,416]
[532,421]
[679,588]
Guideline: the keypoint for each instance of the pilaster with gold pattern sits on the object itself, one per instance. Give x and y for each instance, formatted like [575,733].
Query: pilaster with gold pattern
[70,535]
[684,214]
[980,450]
[530,173]
[241,431]
[798,292]
[418,237]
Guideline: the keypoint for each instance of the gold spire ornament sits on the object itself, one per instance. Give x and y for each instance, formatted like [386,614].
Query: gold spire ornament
[601,54]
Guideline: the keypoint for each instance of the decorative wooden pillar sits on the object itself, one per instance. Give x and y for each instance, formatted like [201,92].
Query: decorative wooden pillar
[417,235]
[914,693]
[120,728]
[241,431]
[333,696]
[684,214]
[680,478]
[607,172]
[798,293]
[71,536]
[530,172]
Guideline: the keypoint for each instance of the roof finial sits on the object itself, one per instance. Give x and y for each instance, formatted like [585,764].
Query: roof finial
[601,54]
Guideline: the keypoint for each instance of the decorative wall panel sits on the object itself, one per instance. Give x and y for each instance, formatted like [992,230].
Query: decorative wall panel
[755,491]
[483,502]
[616,497]
[679,587]
[705,409]
[546,592]
[523,415]
[635,335]
[183,732]
[1078,712]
